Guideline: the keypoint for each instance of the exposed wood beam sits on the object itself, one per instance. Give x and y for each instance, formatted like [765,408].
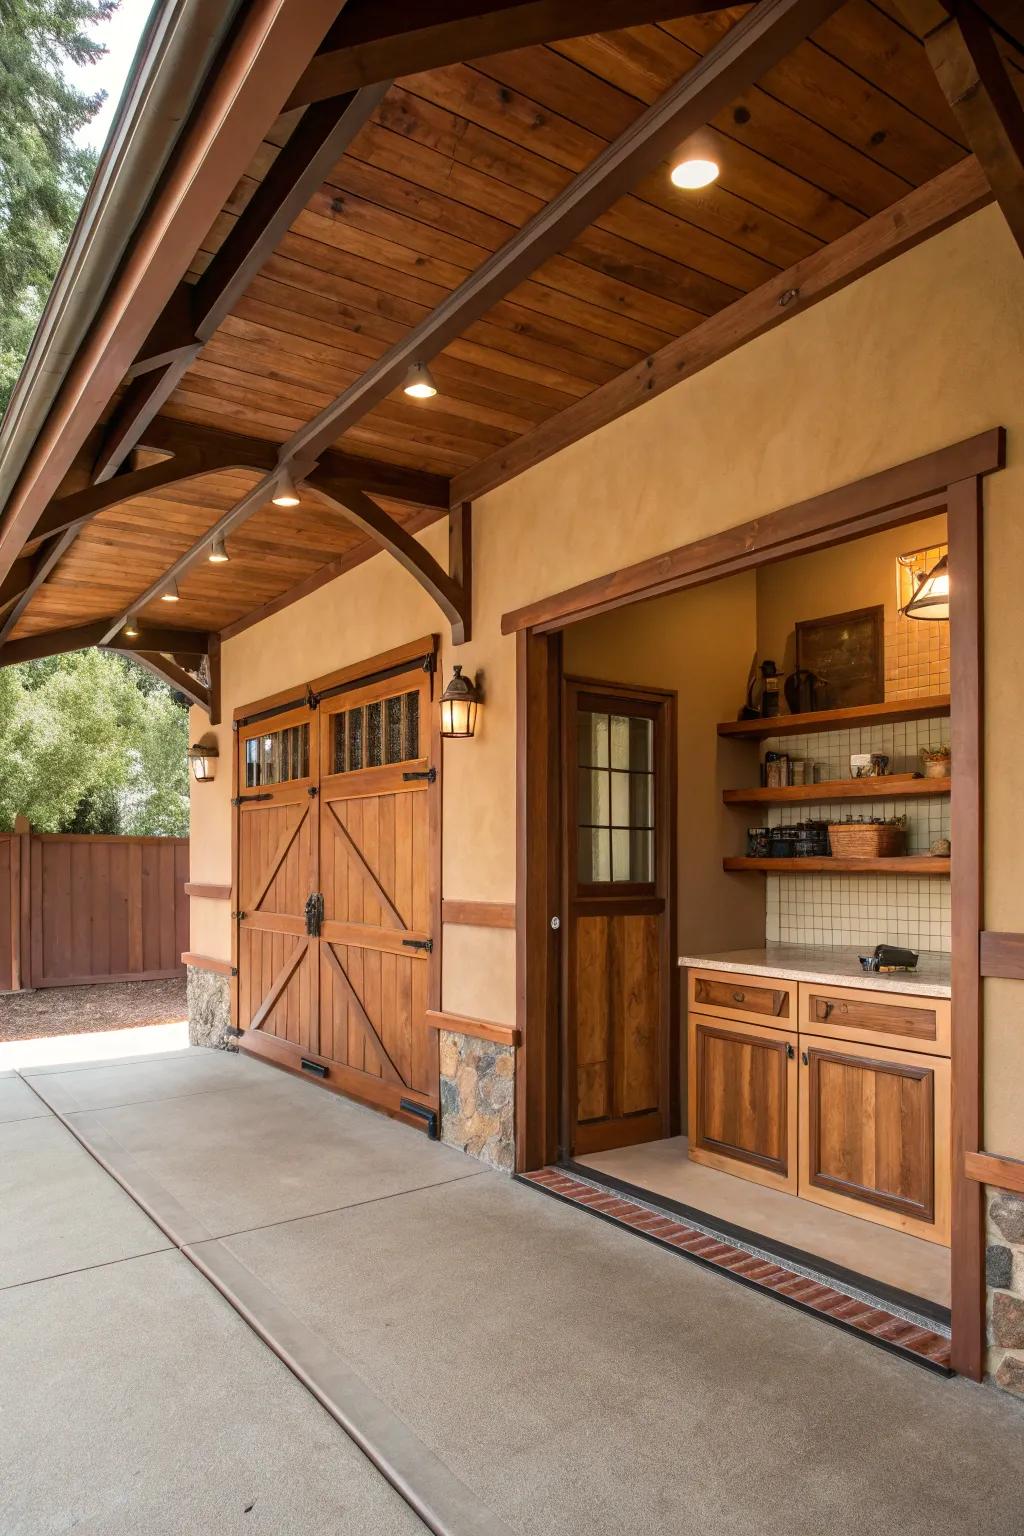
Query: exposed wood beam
[460,558]
[357,507]
[16,581]
[766,34]
[169,672]
[57,642]
[43,563]
[190,318]
[68,513]
[372,42]
[960,191]
[975,82]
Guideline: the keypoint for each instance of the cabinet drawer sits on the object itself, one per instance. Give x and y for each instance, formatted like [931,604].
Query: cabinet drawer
[751,999]
[742,1091]
[902,1020]
[874,1134]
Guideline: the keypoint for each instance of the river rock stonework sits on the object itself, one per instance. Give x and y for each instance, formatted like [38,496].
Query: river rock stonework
[1004,1274]
[477,1096]
[209,1010]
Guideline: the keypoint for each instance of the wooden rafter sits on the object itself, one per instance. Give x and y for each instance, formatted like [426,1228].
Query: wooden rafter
[358,508]
[371,42]
[975,82]
[766,34]
[57,642]
[924,212]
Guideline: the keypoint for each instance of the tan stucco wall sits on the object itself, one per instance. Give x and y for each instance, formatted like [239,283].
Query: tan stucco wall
[919,354]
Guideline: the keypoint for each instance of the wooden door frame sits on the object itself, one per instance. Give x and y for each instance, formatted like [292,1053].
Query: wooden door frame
[393,662]
[948,480]
[664,701]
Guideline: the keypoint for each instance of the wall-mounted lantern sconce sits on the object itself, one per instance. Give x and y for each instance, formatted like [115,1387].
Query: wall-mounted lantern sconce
[931,600]
[459,704]
[204,762]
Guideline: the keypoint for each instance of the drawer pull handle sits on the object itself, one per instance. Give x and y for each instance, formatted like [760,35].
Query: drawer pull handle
[739,997]
[803,1058]
[826,1010]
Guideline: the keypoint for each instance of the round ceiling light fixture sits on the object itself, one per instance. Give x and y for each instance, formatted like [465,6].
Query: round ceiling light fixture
[691,175]
[419,382]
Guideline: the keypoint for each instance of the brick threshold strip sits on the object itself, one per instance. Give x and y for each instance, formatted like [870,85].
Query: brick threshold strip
[899,1335]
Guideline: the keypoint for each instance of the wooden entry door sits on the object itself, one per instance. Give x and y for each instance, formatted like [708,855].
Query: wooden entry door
[378,816]
[278,963]
[618,880]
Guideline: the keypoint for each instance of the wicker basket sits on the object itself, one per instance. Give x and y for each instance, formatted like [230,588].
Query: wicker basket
[866,840]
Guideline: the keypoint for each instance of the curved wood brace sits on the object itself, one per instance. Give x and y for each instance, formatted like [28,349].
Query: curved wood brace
[449,594]
[68,512]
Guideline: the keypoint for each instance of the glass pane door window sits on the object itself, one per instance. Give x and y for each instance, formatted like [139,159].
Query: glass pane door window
[277,757]
[615,798]
[377,734]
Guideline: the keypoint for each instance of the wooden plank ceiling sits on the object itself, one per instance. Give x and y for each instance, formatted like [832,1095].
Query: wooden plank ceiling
[450,165]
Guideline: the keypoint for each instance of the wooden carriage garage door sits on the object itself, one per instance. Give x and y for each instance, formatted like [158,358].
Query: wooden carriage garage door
[339,893]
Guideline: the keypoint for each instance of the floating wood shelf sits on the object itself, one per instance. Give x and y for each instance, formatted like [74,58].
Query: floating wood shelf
[890,713]
[839,789]
[906,864]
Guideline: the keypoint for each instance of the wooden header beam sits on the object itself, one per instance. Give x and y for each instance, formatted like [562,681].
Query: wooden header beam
[57,642]
[173,675]
[371,42]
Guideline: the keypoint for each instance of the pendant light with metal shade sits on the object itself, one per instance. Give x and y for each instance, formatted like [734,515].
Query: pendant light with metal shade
[285,494]
[419,382]
[218,553]
[131,627]
[931,600]
[170,594]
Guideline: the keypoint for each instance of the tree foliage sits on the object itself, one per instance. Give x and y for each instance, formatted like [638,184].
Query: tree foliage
[44,174]
[89,742]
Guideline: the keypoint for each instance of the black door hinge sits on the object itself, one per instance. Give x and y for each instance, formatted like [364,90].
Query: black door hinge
[314,914]
[429,774]
[245,799]
[237,917]
[425,944]
[430,662]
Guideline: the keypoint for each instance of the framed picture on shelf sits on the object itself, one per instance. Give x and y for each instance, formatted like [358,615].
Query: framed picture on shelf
[846,652]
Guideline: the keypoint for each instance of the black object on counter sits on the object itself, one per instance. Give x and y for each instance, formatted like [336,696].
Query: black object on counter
[889,957]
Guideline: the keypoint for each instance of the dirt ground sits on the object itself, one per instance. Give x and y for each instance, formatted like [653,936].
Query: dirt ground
[82,1010]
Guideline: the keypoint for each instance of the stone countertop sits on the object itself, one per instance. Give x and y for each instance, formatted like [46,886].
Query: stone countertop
[836,967]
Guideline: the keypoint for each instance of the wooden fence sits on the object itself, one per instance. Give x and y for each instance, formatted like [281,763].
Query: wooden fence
[85,909]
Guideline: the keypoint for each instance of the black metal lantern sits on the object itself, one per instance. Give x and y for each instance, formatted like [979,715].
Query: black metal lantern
[459,704]
[204,762]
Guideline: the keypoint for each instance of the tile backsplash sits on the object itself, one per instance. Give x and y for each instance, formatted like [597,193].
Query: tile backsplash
[863,909]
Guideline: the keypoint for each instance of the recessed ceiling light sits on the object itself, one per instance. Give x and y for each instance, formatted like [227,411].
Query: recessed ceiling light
[218,554]
[286,495]
[693,174]
[419,382]
[170,593]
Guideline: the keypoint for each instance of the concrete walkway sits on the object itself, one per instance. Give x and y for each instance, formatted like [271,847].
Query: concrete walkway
[512,1363]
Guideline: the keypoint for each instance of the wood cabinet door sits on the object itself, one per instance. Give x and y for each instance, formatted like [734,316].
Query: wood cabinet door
[619,795]
[874,1134]
[743,1100]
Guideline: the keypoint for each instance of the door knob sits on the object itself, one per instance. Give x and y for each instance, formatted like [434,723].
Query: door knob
[556,923]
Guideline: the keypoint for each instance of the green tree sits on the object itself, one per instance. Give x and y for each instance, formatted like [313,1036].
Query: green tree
[44,174]
[89,742]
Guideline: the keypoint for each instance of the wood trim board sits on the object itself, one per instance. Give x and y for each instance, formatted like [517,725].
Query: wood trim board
[208,963]
[207,892]
[479,914]
[477,1029]
[1002,955]
[1000,1172]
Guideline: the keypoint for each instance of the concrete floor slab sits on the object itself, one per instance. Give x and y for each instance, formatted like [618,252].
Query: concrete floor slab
[580,1379]
[106,1085]
[134,1399]
[282,1149]
[17,1101]
[60,1211]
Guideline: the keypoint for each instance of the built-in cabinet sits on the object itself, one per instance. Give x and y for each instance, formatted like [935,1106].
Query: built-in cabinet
[837,1094]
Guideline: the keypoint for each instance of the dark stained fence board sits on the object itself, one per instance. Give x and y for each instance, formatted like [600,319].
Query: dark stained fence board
[102,909]
[8,912]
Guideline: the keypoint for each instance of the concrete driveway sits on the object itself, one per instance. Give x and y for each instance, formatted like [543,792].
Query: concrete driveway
[506,1363]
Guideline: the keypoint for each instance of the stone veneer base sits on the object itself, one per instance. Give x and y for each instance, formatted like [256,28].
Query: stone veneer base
[1004,1277]
[477,1096]
[209,1010]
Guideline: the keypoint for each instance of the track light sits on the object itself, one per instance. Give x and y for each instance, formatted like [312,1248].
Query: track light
[218,554]
[131,627]
[170,593]
[691,175]
[419,383]
[286,495]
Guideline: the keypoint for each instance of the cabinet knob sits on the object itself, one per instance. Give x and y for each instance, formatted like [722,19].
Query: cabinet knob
[739,997]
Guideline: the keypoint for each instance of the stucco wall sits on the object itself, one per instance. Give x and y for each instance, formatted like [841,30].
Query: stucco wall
[919,354]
